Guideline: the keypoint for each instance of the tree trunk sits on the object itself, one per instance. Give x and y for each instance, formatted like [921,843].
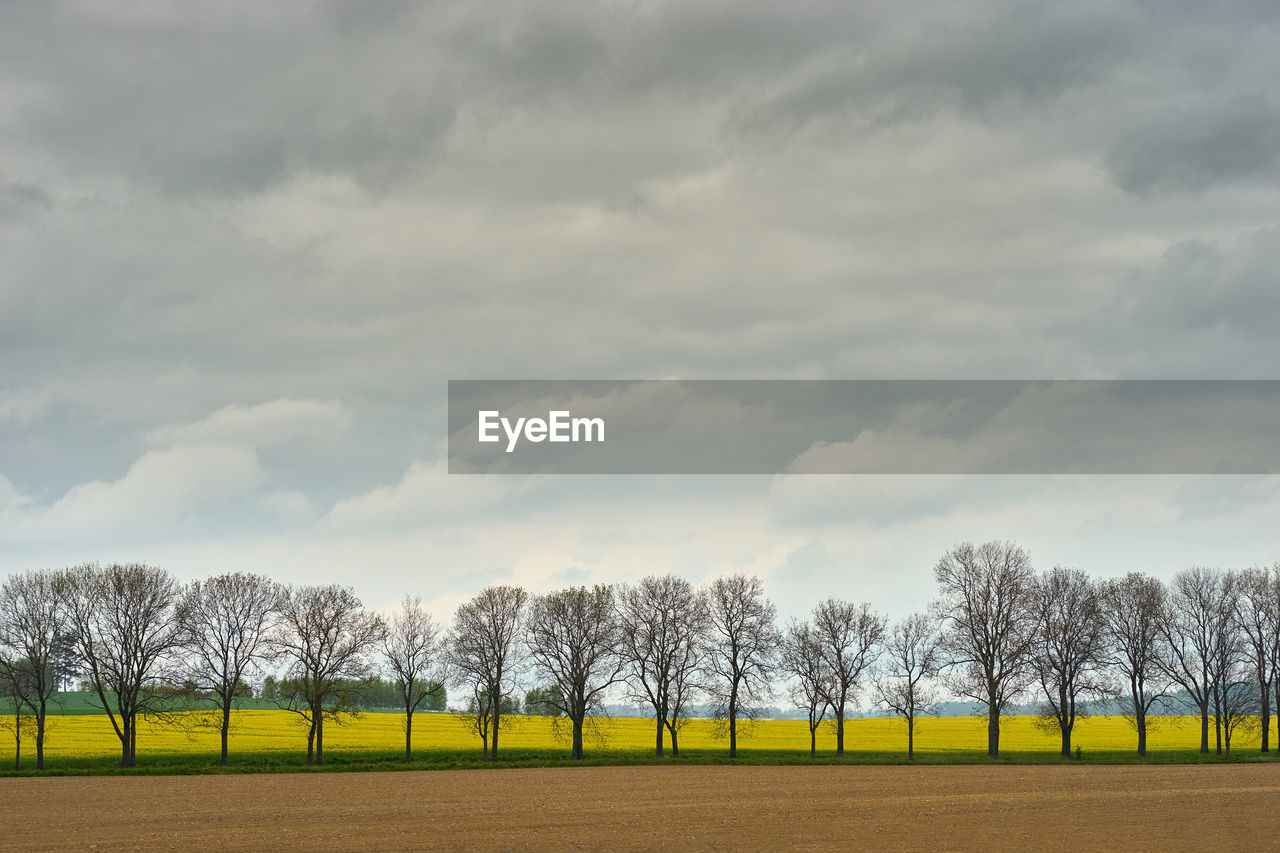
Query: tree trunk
[226,727]
[1204,727]
[319,737]
[813,741]
[577,738]
[311,743]
[408,735]
[839,733]
[733,728]
[124,740]
[1264,718]
[1217,719]
[675,744]
[40,734]
[1141,720]
[497,716]
[911,738]
[1066,710]
[993,734]
[661,722]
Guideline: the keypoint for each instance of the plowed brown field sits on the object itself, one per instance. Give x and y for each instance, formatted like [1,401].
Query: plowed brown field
[1224,807]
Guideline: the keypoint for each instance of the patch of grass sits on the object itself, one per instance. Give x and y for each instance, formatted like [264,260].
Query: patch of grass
[441,759]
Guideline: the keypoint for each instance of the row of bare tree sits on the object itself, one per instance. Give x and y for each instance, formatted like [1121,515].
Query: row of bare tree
[998,633]
[148,643]
[666,641]
[1213,635]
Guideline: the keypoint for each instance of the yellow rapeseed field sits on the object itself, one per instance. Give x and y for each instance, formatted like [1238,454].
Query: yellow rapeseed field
[280,732]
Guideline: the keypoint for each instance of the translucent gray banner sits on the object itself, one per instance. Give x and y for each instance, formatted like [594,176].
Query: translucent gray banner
[864,427]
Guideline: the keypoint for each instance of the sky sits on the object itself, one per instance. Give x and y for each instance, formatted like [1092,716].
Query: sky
[243,246]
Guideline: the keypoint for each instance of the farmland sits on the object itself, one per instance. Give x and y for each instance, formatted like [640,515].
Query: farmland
[268,740]
[675,807]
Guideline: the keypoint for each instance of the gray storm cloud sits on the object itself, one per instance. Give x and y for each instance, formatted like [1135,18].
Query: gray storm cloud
[209,213]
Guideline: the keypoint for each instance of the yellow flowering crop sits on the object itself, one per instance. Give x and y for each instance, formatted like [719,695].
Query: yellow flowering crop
[279,732]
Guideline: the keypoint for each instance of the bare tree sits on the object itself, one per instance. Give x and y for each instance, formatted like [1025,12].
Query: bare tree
[125,623]
[1274,571]
[1229,662]
[912,659]
[1191,634]
[987,592]
[412,650]
[849,637]
[477,716]
[485,649]
[1210,642]
[663,623]
[802,659]
[742,650]
[1132,609]
[1069,650]
[574,640]
[12,706]
[1237,705]
[328,641]
[1258,614]
[32,624]
[224,623]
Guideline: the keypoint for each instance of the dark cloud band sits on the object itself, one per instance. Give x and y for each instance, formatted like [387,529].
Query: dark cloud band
[864,427]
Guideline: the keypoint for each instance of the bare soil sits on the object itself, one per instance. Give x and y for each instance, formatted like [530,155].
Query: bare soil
[1131,808]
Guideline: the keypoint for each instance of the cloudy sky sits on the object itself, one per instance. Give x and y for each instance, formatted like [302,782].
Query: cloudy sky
[243,247]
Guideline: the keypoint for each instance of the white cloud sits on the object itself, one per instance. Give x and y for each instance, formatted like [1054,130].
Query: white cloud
[426,493]
[277,421]
[162,489]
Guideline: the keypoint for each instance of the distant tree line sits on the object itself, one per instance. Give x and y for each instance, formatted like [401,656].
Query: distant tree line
[997,634]
[377,693]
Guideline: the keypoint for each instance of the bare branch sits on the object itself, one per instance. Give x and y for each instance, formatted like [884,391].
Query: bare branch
[486,653]
[990,626]
[574,640]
